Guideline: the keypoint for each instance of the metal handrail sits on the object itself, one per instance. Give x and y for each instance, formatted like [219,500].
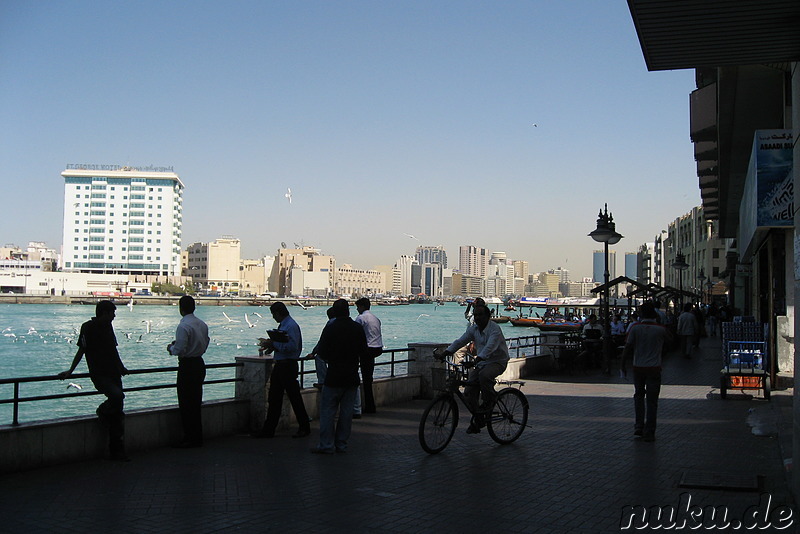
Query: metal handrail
[391,363]
[16,399]
[515,344]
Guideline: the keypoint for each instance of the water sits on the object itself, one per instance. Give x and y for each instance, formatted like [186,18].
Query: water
[39,340]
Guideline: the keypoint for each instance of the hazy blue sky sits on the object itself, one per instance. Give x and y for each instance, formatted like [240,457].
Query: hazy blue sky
[384,118]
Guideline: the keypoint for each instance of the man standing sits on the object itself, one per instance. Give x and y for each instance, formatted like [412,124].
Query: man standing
[285,370]
[191,342]
[98,342]
[645,343]
[372,329]
[491,360]
[688,329]
[342,345]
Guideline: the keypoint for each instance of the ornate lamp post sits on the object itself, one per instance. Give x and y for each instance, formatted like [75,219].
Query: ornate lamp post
[702,278]
[606,233]
[681,265]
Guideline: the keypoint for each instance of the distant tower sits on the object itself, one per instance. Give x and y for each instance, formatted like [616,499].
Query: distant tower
[472,260]
[598,265]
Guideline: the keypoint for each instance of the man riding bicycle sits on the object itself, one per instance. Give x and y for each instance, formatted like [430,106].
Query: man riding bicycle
[490,361]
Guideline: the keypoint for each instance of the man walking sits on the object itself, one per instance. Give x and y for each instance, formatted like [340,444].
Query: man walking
[645,343]
[342,344]
[285,370]
[191,342]
[372,329]
[98,342]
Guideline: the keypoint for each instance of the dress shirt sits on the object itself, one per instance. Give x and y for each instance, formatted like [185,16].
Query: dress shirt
[490,344]
[293,346]
[372,328]
[191,338]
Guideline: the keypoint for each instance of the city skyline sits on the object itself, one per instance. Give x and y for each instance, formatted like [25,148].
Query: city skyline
[507,127]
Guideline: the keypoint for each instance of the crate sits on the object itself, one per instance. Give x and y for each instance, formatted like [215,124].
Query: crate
[747,382]
[439,378]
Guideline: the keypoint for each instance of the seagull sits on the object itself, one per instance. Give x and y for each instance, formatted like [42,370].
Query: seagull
[411,236]
[301,305]
[148,324]
[130,305]
[74,385]
[229,319]
[535,125]
[247,319]
[140,339]
[128,335]
[76,204]
[289,194]
[422,315]
[258,315]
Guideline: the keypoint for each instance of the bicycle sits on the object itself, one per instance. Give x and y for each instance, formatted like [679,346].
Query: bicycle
[505,423]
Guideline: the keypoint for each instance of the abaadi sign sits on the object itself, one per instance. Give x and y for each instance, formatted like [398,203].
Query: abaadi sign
[768,196]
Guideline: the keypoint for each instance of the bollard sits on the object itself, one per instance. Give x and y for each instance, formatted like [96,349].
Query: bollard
[254,375]
[422,365]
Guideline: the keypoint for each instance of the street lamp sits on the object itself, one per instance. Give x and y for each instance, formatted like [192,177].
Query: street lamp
[606,233]
[681,265]
[702,278]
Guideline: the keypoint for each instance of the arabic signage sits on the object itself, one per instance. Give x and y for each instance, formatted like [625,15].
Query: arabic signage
[100,167]
[768,196]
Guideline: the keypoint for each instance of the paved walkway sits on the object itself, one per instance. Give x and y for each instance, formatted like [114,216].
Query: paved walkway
[574,470]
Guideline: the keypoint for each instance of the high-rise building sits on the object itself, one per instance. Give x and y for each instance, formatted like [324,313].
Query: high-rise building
[122,219]
[598,265]
[402,281]
[631,265]
[521,269]
[431,281]
[429,254]
[472,260]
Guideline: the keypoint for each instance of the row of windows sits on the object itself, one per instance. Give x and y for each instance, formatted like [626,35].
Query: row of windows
[125,188]
[111,231]
[96,239]
[125,197]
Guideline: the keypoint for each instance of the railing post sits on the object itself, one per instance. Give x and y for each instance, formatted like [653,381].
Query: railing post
[253,376]
[422,365]
[15,421]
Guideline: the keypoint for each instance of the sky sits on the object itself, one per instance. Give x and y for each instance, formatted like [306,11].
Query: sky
[501,124]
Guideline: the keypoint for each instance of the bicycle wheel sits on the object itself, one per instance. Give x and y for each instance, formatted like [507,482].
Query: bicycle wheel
[438,424]
[509,416]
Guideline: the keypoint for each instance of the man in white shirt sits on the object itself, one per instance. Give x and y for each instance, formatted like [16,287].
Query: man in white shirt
[491,360]
[191,342]
[372,329]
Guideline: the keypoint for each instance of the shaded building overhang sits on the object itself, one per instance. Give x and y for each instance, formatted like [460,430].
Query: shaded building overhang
[741,51]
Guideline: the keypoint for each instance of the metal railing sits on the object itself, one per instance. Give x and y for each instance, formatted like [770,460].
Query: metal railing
[516,345]
[17,399]
[391,363]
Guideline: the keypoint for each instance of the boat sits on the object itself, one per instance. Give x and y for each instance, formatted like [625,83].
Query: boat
[560,326]
[526,321]
[500,318]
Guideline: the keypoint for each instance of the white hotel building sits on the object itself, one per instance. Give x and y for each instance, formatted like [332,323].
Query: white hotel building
[122,220]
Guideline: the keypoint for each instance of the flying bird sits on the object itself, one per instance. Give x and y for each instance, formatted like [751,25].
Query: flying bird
[76,204]
[422,315]
[411,236]
[289,194]
[74,385]
[229,319]
[249,324]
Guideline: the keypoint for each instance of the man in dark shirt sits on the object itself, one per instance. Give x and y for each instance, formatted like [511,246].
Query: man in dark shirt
[98,342]
[342,344]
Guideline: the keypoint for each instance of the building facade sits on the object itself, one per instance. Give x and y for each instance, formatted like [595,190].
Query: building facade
[473,261]
[122,220]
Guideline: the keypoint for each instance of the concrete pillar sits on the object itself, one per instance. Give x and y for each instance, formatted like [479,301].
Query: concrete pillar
[254,374]
[422,365]
[795,124]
